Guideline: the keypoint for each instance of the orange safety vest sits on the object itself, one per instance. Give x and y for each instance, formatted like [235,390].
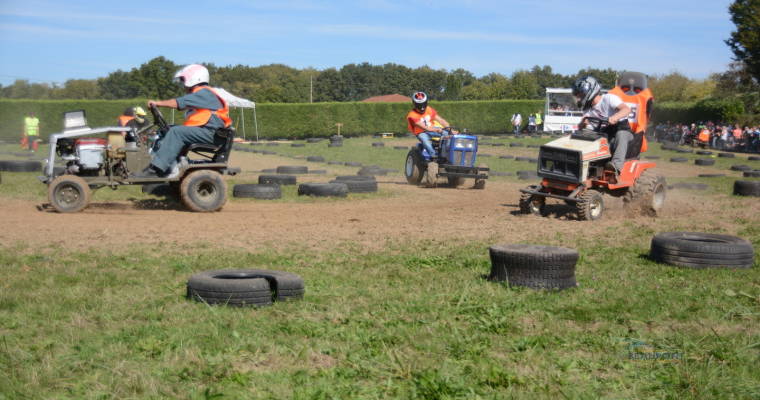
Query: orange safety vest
[413,116]
[200,116]
[704,135]
[640,104]
[124,120]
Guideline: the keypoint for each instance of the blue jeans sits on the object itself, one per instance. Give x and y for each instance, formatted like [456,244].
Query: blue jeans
[174,140]
[427,143]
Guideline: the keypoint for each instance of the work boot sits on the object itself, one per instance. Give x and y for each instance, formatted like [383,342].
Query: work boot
[611,167]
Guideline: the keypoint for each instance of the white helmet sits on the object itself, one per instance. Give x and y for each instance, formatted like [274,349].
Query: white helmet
[191,75]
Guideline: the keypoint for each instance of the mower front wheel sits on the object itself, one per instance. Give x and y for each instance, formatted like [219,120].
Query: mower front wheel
[531,203]
[591,206]
[69,194]
[480,183]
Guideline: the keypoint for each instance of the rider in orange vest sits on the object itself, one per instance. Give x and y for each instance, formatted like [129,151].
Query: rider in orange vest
[632,89]
[205,112]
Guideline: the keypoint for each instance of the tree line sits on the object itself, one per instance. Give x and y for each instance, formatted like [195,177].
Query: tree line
[277,83]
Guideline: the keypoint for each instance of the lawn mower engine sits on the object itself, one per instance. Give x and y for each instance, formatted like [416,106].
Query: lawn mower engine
[83,156]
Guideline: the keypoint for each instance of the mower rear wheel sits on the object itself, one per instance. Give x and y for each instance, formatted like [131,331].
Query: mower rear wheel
[69,194]
[591,206]
[203,191]
[414,167]
[648,192]
[531,203]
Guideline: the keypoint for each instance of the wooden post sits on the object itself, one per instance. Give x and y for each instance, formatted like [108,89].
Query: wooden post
[339,125]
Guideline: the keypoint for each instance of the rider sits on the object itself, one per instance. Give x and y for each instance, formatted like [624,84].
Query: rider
[205,112]
[424,122]
[133,117]
[609,107]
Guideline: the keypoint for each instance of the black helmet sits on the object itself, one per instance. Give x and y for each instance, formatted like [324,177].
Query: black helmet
[632,83]
[129,112]
[584,90]
[420,100]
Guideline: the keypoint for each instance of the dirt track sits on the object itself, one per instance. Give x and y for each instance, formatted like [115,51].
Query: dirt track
[407,214]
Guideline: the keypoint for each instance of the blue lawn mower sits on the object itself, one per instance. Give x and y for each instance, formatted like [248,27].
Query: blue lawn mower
[457,155]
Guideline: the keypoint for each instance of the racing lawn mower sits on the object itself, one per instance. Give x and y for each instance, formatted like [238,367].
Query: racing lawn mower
[93,161]
[456,161]
[573,170]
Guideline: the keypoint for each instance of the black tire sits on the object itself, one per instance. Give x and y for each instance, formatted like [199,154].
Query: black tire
[533,266]
[69,194]
[711,175]
[203,191]
[751,174]
[277,179]
[753,158]
[323,189]
[507,157]
[400,147]
[484,155]
[268,152]
[747,188]
[704,153]
[230,287]
[685,150]
[335,144]
[678,159]
[264,192]
[335,163]
[591,206]
[297,145]
[727,155]
[358,186]
[701,250]
[414,167]
[520,158]
[532,204]
[281,285]
[515,144]
[313,140]
[272,144]
[652,157]
[704,161]
[372,171]
[20,166]
[378,144]
[352,164]
[741,168]
[315,158]
[497,144]
[318,171]
[292,169]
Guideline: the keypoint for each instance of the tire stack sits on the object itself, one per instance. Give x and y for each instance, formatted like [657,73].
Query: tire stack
[257,191]
[701,250]
[335,141]
[244,287]
[533,266]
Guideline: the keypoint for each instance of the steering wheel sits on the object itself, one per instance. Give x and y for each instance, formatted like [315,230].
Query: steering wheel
[598,124]
[158,120]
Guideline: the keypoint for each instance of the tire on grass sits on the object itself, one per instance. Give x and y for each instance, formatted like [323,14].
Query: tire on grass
[292,169]
[358,186]
[679,159]
[701,250]
[751,174]
[533,266]
[704,161]
[323,189]
[726,155]
[260,191]
[747,188]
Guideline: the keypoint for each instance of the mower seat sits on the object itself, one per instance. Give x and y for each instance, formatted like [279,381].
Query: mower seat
[219,152]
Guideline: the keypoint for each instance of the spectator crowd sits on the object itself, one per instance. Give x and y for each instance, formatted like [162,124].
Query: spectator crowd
[719,136]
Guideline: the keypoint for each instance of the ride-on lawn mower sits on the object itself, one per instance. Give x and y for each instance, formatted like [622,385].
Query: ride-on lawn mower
[573,170]
[94,161]
[457,154]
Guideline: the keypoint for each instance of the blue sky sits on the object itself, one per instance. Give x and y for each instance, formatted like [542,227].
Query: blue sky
[54,40]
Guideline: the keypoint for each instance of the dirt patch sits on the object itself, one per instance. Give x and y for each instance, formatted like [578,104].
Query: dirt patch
[406,214]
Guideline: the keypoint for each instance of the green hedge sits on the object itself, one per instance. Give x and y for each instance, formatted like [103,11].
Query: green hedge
[281,120]
[703,110]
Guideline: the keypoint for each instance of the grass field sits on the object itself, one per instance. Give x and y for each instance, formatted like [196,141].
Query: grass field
[408,320]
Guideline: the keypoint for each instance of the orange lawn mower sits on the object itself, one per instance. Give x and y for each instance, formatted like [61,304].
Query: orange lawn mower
[573,170]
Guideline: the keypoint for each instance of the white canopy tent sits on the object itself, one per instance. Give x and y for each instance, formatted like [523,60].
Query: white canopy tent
[241,103]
